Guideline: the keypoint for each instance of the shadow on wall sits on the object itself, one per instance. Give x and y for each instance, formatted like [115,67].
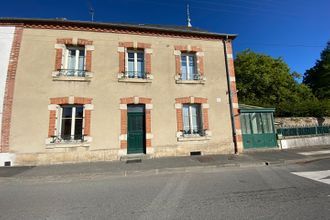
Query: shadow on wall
[320,121]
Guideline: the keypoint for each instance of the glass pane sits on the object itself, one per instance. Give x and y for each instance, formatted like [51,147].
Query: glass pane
[140,64]
[81,61]
[246,127]
[78,129]
[66,129]
[135,108]
[79,112]
[66,112]
[247,124]
[71,59]
[195,118]
[259,123]
[267,122]
[185,116]
[191,66]
[254,123]
[130,65]
[184,67]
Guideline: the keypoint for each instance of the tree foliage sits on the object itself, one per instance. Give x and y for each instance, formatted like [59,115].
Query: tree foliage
[266,81]
[318,77]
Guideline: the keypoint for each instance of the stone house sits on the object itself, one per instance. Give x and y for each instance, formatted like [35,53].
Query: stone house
[75,91]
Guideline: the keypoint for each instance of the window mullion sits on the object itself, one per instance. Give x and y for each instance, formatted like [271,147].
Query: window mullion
[73,121]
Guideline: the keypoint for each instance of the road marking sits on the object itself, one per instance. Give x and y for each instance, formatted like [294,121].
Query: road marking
[320,176]
[315,152]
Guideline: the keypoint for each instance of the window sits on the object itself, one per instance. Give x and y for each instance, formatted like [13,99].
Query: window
[192,119]
[71,122]
[188,67]
[135,64]
[74,64]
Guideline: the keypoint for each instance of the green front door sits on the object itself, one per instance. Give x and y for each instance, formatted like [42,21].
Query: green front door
[136,129]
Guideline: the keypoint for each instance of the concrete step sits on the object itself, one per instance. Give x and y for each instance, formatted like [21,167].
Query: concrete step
[134,157]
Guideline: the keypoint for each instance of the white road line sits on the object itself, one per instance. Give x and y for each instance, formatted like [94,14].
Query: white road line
[315,152]
[320,176]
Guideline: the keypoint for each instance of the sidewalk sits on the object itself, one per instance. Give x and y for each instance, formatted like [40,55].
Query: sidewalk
[172,164]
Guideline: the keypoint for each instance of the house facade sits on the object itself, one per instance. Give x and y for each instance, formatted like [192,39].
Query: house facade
[84,91]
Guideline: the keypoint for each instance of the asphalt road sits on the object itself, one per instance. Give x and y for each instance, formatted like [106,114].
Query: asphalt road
[272,192]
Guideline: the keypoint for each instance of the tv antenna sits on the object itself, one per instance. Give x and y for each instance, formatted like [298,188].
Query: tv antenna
[91,9]
[188,16]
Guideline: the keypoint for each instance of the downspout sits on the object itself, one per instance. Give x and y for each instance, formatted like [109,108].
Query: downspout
[230,96]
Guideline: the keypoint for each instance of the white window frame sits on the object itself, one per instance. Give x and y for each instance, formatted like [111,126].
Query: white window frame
[66,59]
[73,121]
[135,52]
[188,64]
[191,118]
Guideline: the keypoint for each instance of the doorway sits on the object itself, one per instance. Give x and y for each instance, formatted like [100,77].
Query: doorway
[136,132]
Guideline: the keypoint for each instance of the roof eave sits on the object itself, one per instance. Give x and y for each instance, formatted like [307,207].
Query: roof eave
[113,25]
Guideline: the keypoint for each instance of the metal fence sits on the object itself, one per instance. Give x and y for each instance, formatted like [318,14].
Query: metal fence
[304,130]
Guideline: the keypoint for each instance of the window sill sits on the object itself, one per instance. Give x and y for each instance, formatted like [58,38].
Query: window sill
[57,77]
[193,138]
[179,81]
[68,144]
[121,78]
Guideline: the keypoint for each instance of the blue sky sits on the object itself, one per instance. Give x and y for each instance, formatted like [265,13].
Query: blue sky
[296,30]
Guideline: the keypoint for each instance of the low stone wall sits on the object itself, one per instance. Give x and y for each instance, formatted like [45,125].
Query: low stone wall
[301,121]
[83,155]
[304,141]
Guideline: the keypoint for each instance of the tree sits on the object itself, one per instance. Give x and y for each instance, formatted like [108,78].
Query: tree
[266,81]
[318,77]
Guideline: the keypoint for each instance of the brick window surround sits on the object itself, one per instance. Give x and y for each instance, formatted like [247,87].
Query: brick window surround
[123,121]
[192,100]
[178,49]
[53,114]
[61,45]
[122,49]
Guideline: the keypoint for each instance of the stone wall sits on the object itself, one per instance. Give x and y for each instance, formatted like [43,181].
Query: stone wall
[301,121]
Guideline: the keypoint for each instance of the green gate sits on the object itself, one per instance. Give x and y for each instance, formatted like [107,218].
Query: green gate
[136,129]
[257,126]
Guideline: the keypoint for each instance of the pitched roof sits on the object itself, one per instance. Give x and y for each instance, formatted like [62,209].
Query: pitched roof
[138,27]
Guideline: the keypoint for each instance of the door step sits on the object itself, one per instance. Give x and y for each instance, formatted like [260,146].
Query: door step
[134,157]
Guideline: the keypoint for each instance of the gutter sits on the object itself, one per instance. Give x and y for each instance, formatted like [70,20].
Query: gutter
[230,95]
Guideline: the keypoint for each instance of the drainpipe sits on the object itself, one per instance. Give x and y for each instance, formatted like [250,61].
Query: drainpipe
[230,93]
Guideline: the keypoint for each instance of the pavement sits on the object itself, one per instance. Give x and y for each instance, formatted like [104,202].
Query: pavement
[250,158]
